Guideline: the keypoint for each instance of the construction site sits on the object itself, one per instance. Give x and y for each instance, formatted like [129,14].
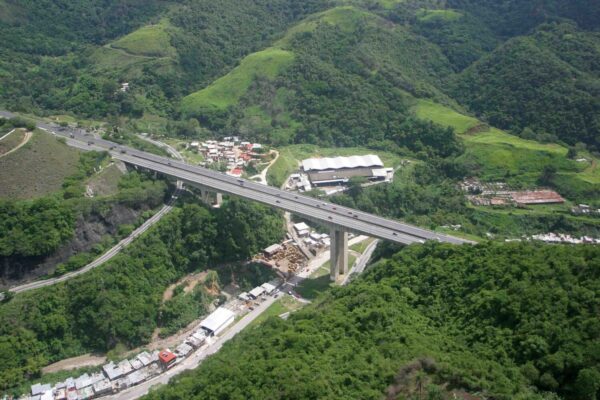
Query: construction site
[286,258]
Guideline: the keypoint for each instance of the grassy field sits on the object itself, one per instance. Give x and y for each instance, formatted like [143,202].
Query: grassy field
[38,168]
[150,41]
[11,141]
[445,116]
[228,89]
[106,182]
[501,156]
[319,280]
[360,247]
[284,304]
[290,156]
[188,155]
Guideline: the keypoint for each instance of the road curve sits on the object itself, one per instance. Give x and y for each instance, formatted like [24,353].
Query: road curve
[103,258]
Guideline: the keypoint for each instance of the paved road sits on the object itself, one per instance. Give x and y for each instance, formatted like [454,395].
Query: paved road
[170,149]
[361,262]
[104,257]
[195,359]
[119,246]
[336,216]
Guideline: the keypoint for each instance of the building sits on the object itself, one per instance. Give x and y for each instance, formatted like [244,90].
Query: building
[302,229]
[268,288]
[38,389]
[136,364]
[102,388]
[532,197]
[272,249]
[256,292]
[167,358]
[338,170]
[216,322]
[183,350]
[244,296]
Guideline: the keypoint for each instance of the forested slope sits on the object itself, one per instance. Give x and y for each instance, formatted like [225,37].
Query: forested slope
[499,321]
[547,82]
[120,302]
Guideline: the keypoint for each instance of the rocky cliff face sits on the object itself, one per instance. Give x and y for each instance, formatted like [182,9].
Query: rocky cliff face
[90,229]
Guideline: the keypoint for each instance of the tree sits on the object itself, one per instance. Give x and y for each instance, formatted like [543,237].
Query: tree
[587,384]
[548,174]
[212,281]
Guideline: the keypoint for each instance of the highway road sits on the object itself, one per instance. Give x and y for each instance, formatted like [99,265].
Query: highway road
[314,209]
[119,246]
[104,257]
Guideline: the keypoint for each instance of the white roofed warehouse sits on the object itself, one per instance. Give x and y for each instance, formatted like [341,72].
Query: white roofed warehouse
[331,171]
[220,319]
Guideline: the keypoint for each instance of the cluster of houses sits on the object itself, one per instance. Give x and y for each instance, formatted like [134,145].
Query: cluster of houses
[232,152]
[584,209]
[564,238]
[312,239]
[116,377]
[113,378]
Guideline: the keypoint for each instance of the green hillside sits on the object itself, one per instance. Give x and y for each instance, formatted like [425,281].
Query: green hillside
[507,329]
[227,91]
[38,168]
[496,155]
[151,41]
[545,82]
[309,102]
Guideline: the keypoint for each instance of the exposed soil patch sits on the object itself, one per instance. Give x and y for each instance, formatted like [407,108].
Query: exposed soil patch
[86,360]
[477,129]
[190,281]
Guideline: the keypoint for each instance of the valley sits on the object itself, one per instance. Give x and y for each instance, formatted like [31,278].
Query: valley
[417,179]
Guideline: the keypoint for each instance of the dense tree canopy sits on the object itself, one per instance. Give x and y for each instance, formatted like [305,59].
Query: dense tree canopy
[120,302]
[547,82]
[493,319]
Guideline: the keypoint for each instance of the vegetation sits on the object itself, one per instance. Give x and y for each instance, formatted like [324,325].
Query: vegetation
[183,308]
[10,142]
[427,195]
[495,155]
[120,302]
[150,40]
[227,91]
[548,85]
[38,168]
[402,318]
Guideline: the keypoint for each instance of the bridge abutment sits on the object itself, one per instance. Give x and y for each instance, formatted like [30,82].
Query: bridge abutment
[338,253]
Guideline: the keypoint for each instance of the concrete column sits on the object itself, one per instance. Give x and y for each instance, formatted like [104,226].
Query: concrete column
[205,195]
[338,253]
[210,198]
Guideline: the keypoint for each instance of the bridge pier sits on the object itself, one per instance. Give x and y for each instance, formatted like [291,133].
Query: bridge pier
[211,198]
[338,253]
